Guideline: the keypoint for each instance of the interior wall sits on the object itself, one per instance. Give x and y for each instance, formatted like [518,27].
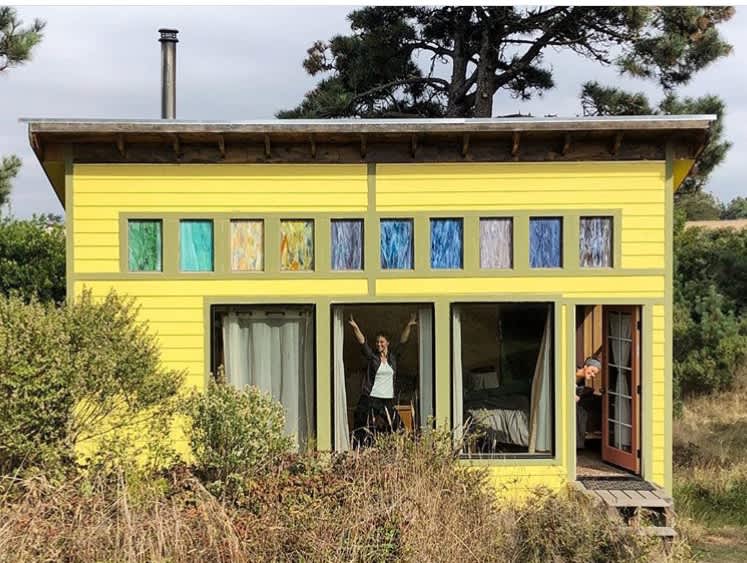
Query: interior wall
[522,326]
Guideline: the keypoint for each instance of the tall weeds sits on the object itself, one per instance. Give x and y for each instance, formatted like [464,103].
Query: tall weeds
[403,500]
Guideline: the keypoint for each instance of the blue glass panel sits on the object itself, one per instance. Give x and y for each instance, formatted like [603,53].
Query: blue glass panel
[595,242]
[196,246]
[545,242]
[446,243]
[347,245]
[396,244]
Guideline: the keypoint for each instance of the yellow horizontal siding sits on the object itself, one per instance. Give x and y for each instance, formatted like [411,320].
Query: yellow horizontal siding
[658,395]
[175,309]
[239,288]
[581,285]
[636,188]
[102,192]
[98,266]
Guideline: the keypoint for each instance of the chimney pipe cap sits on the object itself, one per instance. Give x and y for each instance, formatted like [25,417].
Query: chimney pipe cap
[168,35]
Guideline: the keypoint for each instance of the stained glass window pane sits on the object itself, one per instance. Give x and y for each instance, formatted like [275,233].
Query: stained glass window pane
[196,245]
[347,245]
[446,243]
[545,242]
[595,242]
[496,243]
[247,245]
[297,245]
[396,244]
[144,245]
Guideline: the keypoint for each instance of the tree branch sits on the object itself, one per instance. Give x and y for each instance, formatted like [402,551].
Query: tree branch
[438,83]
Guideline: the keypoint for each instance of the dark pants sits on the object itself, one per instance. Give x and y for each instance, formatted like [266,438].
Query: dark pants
[374,416]
[588,409]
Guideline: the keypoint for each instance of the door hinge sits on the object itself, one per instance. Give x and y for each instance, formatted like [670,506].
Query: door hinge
[638,389]
[638,453]
[638,325]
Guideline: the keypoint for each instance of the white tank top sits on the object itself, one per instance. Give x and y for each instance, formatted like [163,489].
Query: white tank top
[383,387]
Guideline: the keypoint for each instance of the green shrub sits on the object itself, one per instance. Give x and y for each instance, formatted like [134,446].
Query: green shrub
[69,374]
[710,343]
[35,397]
[234,434]
[32,258]
[710,298]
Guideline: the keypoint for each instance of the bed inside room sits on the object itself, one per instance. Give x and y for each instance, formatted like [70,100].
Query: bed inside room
[502,359]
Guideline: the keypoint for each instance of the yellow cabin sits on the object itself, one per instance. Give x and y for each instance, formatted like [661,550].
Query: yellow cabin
[494,257]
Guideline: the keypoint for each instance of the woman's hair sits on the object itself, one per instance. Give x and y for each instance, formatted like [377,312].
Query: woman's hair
[384,335]
[593,362]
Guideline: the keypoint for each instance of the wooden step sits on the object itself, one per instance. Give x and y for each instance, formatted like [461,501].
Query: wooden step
[633,499]
[657,531]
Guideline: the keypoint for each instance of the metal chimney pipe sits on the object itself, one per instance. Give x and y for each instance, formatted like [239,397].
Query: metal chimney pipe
[168,42]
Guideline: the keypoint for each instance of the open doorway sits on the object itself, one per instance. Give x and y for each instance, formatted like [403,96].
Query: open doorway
[413,393]
[608,347]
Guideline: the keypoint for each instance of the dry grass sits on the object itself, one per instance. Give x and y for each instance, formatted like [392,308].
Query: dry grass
[710,473]
[400,501]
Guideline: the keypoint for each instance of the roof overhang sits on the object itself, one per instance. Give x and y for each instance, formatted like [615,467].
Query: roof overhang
[366,140]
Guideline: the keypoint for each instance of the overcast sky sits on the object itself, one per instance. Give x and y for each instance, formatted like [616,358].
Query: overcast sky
[239,63]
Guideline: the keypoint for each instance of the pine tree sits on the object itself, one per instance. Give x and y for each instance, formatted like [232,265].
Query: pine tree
[475,52]
[16,44]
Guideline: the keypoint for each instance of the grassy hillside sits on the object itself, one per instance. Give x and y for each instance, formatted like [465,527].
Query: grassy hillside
[710,455]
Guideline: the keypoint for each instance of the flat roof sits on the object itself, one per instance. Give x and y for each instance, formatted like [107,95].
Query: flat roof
[414,125]
[497,139]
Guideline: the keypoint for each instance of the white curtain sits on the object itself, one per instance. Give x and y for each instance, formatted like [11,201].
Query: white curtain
[540,415]
[620,346]
[425,361]
[273,352]
[342,429]
[456,374]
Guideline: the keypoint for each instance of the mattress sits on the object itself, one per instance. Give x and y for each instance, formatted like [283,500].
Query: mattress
[500,419]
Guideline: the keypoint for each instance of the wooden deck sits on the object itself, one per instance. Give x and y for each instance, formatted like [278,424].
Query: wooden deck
[650,512]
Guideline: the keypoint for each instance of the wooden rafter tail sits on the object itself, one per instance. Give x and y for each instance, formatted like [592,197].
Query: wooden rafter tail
[567,140]
[465,145]
[617,143]
[312,144]
[364,146]
[515,144]
[701,147]
[177,146]
[268,147]
[38,148]
[121,146]
[222,146]
[413,145]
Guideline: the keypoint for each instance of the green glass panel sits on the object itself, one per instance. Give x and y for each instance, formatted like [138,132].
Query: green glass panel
[196,245]
[144,245]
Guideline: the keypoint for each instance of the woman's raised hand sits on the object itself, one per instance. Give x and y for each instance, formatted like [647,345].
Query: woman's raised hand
[413,319]
[352,322]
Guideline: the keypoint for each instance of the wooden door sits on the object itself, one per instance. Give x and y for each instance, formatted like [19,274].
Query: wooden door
[621,395]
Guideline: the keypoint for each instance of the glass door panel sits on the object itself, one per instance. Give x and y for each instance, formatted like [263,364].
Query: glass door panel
[621,375]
